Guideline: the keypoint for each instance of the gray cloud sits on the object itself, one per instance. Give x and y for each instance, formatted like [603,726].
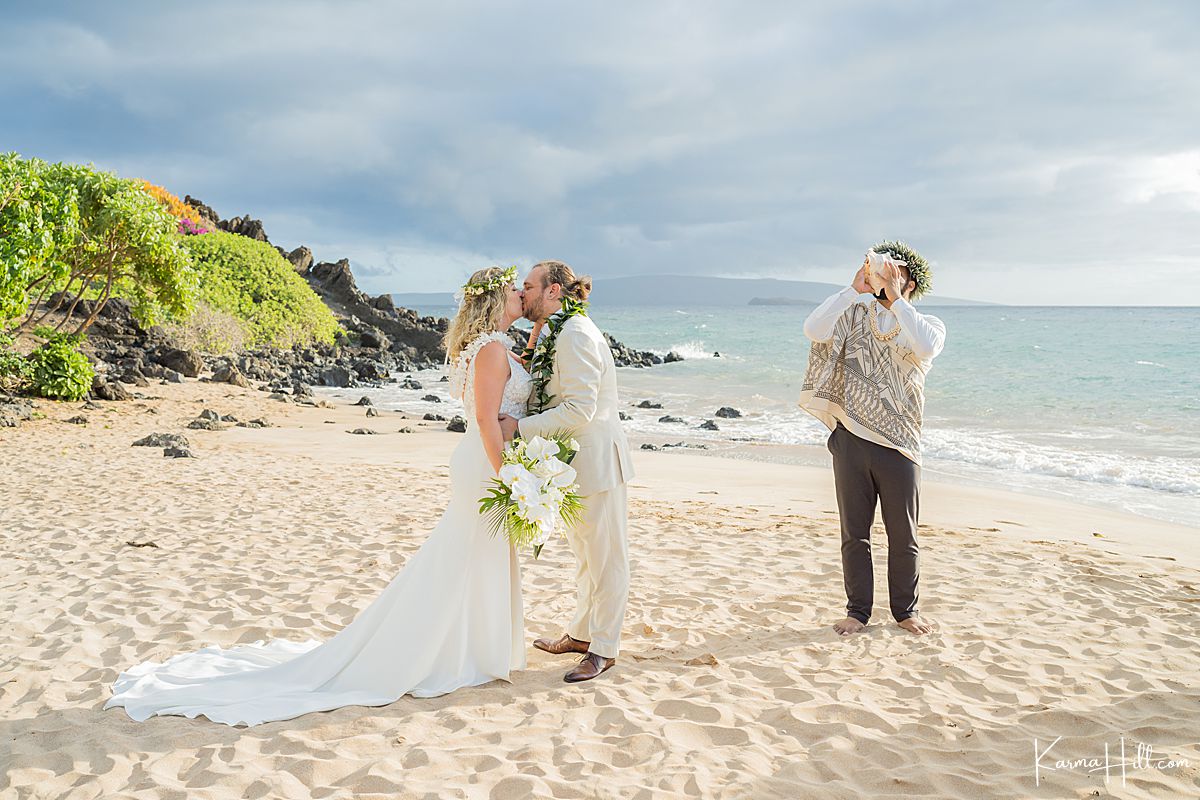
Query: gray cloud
[1035,153]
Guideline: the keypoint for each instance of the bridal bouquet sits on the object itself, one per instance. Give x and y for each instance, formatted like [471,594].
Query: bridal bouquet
[535,495]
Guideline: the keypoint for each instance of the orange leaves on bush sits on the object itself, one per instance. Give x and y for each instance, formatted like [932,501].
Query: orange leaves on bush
[173,204]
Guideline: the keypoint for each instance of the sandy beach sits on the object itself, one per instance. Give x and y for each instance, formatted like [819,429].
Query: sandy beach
[1054,620]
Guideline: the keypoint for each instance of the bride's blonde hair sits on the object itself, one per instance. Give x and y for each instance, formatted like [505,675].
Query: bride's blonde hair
[479,313]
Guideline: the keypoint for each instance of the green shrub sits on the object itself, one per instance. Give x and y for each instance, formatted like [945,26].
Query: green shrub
[251,281]
[59,371]
[39,223]
[75,229]
[14,367]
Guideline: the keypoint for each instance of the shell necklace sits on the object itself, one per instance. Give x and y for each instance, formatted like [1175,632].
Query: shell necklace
[879,336]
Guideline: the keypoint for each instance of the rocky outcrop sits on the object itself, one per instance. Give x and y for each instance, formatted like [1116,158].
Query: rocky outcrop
[376,322]
[301,258]
[626,356]
[207,215]
[244,226]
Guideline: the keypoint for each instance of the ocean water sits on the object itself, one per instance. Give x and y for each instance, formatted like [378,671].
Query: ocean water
[1101,405]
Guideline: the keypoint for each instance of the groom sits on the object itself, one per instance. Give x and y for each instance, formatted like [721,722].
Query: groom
[580,396]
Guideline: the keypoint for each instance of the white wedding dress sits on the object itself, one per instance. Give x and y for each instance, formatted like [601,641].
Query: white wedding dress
[451,618]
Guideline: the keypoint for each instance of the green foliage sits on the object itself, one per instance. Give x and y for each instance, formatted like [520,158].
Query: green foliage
[14,367]
[39,224]
[251,281]
[59,371]
[73,228]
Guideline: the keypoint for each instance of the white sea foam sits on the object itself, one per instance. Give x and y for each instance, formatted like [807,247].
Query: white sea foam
[1005,452]
[1150,364]
[994,450]
[689,350]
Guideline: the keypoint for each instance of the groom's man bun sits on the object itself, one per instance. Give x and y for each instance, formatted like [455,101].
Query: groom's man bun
[581,288]
[574,286]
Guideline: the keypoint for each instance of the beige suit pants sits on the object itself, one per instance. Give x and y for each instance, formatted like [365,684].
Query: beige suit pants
[601,548]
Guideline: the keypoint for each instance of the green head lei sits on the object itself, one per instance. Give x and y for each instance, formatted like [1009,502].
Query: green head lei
[918,268]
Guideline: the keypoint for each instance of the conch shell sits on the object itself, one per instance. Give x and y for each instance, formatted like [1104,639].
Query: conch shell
[875,262]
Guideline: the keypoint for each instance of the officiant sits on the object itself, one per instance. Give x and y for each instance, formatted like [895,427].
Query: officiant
[866,382]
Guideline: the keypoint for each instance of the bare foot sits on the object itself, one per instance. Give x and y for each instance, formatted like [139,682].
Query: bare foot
[848,626]
[916,625]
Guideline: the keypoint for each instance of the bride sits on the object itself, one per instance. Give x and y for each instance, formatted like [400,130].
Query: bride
[451,618]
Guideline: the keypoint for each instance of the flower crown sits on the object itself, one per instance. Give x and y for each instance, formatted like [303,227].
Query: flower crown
[491,284]
[918,268]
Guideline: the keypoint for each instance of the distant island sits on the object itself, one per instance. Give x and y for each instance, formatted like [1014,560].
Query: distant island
[679,291]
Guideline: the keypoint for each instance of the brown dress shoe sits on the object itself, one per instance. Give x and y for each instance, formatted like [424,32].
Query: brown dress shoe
[560,646]
[590,666]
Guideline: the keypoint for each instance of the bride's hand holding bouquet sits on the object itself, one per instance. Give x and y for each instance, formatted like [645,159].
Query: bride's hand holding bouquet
[535,494]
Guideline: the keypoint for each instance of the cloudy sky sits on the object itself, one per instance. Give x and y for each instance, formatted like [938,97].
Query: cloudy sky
[1034,152]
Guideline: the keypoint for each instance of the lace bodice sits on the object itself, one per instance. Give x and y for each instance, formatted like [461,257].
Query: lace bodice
[514,401]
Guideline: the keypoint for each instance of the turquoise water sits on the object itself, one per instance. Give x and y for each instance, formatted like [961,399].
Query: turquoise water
[1098,404]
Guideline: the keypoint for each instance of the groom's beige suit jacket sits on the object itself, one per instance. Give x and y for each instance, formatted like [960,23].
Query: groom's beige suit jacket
[583,389]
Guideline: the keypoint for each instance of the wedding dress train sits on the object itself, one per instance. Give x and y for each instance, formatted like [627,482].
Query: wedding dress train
[451,618]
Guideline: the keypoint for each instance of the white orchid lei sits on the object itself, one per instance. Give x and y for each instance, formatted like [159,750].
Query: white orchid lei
[535,495]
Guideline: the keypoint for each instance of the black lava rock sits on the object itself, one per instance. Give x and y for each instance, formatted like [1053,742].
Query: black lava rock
[108,390]
[187,362]
[206,425]
[162,440]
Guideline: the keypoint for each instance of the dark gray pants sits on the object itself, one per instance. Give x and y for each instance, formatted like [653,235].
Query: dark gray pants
[864,472]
